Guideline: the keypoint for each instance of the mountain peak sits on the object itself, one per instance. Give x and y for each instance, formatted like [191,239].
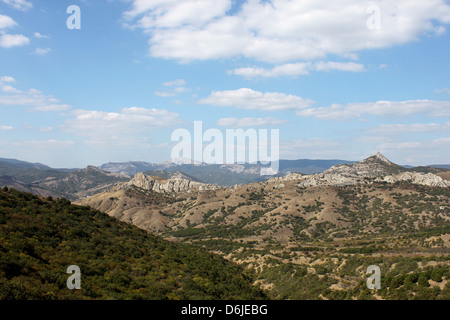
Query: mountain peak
[380,157]
[373,166]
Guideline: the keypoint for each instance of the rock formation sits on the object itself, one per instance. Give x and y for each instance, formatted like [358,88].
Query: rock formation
[172,185]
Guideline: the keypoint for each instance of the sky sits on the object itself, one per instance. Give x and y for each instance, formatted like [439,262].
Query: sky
[340,79]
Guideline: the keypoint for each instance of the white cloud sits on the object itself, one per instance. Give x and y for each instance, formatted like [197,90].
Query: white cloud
[297,69]
[419,147]
[176,87]
[175,83]
[6,22]
[41,51]
[8,88]
[245,98]
[173,13]
[52,107]
[312,147]
[6,128]
[445,90]
[40,36]
[126,123]
[379,108]
[165,94]
[7,79]
[249,122]
[281,31]
[395,129]
[32,98]
[13,40]
[21,5]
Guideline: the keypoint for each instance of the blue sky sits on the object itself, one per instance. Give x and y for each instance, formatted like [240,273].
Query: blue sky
[339,79]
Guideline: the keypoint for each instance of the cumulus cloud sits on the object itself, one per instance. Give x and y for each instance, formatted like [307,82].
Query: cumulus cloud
[32,98]
[379,108]
[419,151]
[6,22]
[249,122]
[127,122]
[445,90]
[13,40]
[21,5]
[8,88]
[245,98]
[396,129]
[313,147]
[281,31]
[297,69]
[41,51]
[175,83]
[175,87]
[40,36]
[7,79]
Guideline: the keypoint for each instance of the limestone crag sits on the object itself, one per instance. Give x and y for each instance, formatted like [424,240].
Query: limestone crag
[427,179]
[328,179]
[374,168]
[172,185]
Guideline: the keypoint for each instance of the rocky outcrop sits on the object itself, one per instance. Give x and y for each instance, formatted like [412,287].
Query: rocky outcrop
[374,168]
[146,182]
[426,179]
[329,179]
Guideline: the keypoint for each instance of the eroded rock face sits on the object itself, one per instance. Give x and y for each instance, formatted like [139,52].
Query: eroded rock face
[328,179]
[146,182]
[142,181]
[426,179]
[374,168]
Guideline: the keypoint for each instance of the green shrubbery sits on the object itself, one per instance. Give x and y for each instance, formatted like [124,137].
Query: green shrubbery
[40,238]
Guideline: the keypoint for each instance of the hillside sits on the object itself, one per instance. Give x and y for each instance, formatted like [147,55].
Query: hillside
[318,237]
[40,238]
[43,180]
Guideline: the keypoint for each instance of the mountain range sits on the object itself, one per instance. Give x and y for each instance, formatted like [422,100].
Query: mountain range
[308,236]
[299,236]
[75,184]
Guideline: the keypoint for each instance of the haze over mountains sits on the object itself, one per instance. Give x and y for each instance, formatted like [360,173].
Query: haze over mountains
[78,183]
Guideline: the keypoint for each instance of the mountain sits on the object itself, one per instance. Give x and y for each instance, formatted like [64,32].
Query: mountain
[307,166]
[160,185]
[78,183]
[40,238]
[43,180]
[21,164]
[222,174]
[311,241]
[440,166]
[374,168]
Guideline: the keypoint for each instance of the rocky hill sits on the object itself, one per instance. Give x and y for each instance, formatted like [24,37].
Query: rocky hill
[160,185]
[71,184]
[319,238]
[374,168]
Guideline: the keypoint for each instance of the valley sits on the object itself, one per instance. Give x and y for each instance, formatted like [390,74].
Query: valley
[308,237]
[295,236]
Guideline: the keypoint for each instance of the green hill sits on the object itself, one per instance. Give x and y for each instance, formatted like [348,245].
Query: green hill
[40,238]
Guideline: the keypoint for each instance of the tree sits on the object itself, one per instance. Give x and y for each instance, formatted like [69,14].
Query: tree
[423,281]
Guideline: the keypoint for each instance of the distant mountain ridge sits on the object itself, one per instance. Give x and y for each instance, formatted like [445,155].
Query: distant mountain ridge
[78,183]
[374,168]
[46,181]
